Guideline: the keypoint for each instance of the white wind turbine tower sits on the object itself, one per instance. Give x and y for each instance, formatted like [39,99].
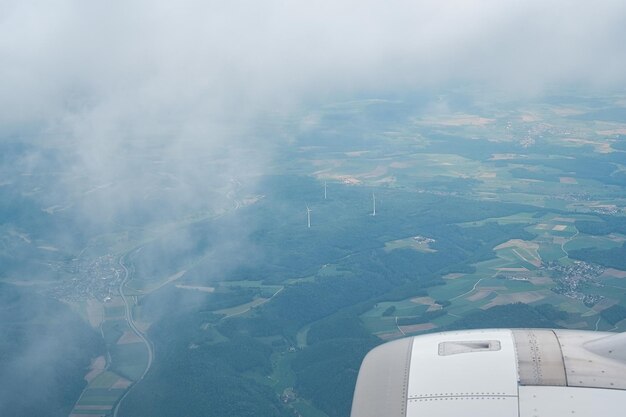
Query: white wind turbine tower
[374,204]
[308,216]
[325,187]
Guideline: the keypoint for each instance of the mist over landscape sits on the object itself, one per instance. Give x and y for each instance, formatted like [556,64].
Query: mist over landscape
[212,209]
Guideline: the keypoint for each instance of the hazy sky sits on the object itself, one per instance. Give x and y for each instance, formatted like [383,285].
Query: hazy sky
[113,61]
[188,76]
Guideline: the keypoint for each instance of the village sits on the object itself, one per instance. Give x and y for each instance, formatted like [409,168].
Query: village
[89,278]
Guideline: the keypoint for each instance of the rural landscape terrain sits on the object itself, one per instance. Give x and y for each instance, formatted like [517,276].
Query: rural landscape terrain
[259,292]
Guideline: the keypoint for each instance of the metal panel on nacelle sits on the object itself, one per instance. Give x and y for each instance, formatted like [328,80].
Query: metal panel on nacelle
[383,380]
[588,369]
[463,407]
[571,402]
[486,372]
[539,357]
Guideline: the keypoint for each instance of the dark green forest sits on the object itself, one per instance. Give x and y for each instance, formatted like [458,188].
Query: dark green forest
[611,258]
[197,351]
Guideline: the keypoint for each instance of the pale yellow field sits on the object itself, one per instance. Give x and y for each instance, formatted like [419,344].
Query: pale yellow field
[128,337]
[523,249]
[503,156]
[568,180]
[389,335]
[95,313]
[599,147]
[96,368]
[518,243]
[605,303]
[530,117]
[455,275]
[564,219]
[92,407]
[479,295]
[426,301]
[121,383]
[194,287]
[511,269]
[611,132]
[540,280]
[615,273]
[418,327]
[460,120]
[520,297]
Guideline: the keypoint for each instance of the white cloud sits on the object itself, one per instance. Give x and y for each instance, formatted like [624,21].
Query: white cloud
[190,75]
[230,56]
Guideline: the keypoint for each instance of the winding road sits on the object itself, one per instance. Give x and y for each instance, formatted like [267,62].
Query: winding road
[139,333]
[469,292]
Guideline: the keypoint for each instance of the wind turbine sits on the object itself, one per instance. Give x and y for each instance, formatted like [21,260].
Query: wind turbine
[325,187]
[308,216]
[374,204]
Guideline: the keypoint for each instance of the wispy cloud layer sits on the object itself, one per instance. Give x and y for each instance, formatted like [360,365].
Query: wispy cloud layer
[175,59]
[189,77]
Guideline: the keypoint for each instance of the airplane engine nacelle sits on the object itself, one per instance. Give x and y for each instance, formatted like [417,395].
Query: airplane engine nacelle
[496,372]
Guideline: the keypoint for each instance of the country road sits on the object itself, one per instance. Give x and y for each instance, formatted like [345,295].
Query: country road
[139,333]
